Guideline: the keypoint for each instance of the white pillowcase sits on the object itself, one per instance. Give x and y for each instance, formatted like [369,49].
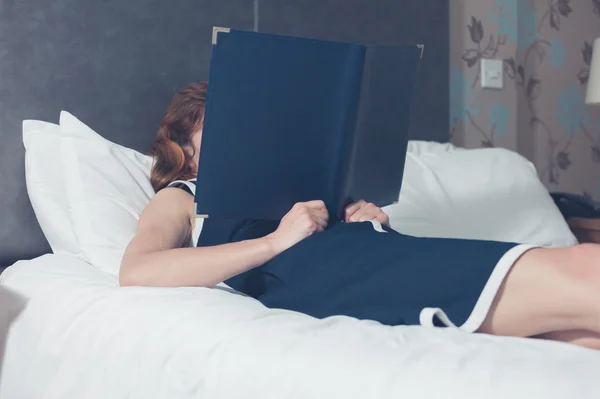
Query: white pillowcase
[107,186]
[488,194]
[46,185]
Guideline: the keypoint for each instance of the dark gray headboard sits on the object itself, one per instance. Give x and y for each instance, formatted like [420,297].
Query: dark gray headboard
[116,63]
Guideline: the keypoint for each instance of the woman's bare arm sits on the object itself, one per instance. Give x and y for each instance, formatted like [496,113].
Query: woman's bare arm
[155,256]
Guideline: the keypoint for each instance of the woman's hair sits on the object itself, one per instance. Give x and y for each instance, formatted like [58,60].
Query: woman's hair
[172,148]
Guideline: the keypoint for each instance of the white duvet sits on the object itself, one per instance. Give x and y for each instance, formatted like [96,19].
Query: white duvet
[71,333]
[77,335]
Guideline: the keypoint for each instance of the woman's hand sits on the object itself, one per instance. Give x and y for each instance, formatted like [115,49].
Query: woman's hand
[362,211]
[303,220]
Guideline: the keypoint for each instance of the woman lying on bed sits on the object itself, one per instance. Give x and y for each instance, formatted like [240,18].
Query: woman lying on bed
[361,267]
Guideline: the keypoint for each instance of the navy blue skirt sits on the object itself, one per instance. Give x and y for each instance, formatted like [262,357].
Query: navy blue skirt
[352,269]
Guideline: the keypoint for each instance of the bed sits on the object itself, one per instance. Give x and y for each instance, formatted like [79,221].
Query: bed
[79,336]
[90,80]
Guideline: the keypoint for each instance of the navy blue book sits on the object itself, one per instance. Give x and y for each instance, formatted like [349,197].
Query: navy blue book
[292,119]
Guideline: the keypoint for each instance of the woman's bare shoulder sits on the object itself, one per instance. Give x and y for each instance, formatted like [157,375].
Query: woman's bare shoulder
[169,204]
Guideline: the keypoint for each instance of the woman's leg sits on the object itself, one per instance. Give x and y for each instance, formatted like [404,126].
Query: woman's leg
[549,290]
[587,339]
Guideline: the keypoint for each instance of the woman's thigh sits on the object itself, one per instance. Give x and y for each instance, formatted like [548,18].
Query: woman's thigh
[548,290]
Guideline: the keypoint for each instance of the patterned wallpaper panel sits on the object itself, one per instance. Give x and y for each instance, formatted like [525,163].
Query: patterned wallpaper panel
[541,112]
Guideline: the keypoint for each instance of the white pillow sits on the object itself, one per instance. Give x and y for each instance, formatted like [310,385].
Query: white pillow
[46,185]
[419,147]
[488,194]
[107,186]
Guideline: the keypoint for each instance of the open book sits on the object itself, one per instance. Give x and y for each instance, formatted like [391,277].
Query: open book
[292,119]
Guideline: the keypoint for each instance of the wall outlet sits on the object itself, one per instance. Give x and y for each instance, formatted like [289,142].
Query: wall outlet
[492,73]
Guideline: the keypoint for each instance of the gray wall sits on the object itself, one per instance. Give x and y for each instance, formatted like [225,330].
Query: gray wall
[380,22]
[115,64]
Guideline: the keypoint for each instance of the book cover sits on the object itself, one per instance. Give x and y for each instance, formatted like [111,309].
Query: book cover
[292,119]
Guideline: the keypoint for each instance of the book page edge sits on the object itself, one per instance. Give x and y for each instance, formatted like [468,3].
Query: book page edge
[195,212]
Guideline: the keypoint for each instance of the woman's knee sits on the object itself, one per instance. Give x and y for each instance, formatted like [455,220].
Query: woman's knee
[578,268]
[582,263]
[579,264]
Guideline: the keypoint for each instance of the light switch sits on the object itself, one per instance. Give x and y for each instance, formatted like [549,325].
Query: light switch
[492,73]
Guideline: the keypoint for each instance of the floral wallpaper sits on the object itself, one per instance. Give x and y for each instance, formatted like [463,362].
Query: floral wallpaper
[541,113]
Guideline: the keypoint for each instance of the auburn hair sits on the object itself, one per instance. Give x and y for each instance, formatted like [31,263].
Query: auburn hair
[172,148]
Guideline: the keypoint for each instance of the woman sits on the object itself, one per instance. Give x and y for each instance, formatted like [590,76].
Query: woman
[360,267]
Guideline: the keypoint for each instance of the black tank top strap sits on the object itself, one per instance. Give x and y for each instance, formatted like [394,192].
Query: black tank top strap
[182,186]
[188,186]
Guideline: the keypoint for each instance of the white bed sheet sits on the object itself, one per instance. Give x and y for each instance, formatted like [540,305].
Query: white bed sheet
[80,336]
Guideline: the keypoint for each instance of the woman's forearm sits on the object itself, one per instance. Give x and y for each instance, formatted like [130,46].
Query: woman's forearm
[202,267]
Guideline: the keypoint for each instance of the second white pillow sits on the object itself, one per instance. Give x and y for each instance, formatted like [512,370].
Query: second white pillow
[107,186]
[483,194]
